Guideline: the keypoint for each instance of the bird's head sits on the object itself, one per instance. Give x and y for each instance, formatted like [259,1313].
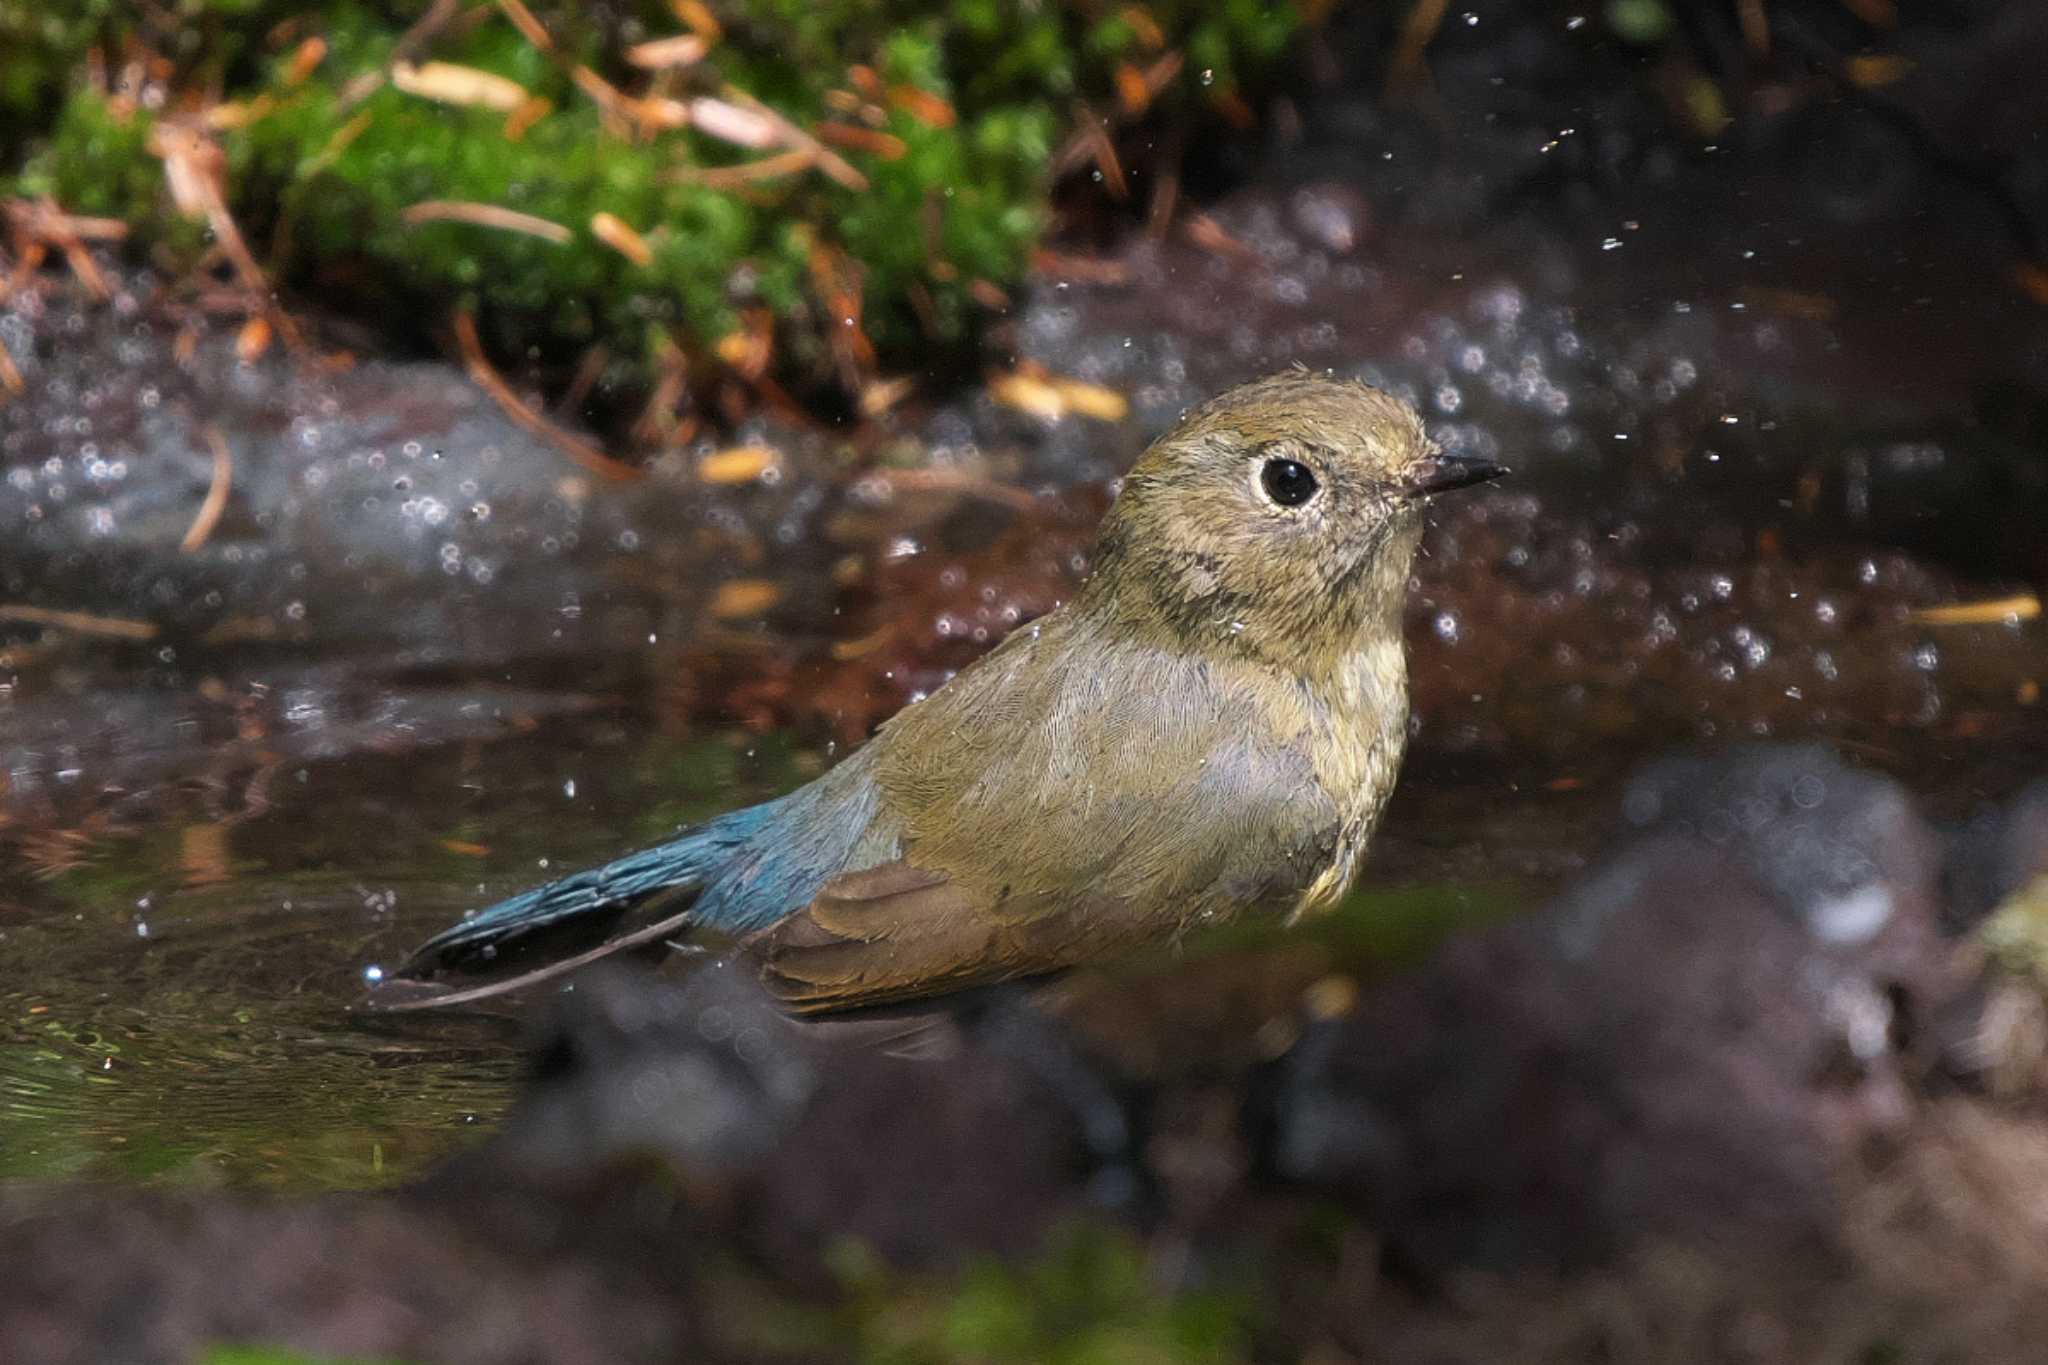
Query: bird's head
[1278,519]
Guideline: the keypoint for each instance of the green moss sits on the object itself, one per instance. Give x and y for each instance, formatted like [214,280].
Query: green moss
[96,161]
[320,181]
[272,1355]
[1087,1300]
[45,46]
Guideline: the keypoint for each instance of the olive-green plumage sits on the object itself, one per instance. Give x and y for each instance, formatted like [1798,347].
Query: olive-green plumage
[1211,725]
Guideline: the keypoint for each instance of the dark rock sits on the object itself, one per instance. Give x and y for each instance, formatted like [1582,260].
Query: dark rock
[984,1150]
[150,1279]
[1996,855]
[704,1078]
[925,1137]
[1681,1045]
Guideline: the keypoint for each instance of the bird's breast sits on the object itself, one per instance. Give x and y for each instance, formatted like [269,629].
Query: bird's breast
[1357,720]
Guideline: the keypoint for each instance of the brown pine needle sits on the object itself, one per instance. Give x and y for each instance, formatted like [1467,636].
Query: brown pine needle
[698,18]
[1140,22]
[1091,142]
[463,86]
[40,224]
[528,26]
[2024,606]
[79,622]
[1407,70]
[1079,269]
[685,49]
[829,161]
[1131,95]
[525,116]
[487,378]
[878,396]
[216,501]
[747,172]
[924,106]
[10,373]
[253,340]
[338,143]
[195,171]
[1756,26]
[1052,397]
[1873,70]
[485,215]
[736,464]
[743,597]
[855,138]
[622,237]
[730,123]
[1210,235]
[953,481]
[305,60]
[588,371]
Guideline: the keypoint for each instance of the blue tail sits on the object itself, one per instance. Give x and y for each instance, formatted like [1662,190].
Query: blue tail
[737,873]
[678,871]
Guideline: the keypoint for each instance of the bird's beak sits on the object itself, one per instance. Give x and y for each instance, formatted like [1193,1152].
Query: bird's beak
[1436,474]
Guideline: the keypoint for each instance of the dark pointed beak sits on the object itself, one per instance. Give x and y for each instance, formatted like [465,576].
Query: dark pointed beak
[1442,473]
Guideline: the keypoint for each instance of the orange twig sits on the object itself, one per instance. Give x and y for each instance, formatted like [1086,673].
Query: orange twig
[485,215]
[216,494]
[524,417]
[83,623]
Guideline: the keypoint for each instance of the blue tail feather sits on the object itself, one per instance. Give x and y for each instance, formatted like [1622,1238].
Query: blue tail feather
[682,866]
[738,873]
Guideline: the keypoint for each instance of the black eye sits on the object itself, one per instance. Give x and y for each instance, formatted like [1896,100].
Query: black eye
[1288,482]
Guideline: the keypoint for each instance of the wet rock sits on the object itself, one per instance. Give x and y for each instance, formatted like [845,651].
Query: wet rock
[158,1280]
[1996,855]
[343,487]
[925,1137]
[348,487]
[984,1150]
[704,1079]
[1842,851]
[1682,1045]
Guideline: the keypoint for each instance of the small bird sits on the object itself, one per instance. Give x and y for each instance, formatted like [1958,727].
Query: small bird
[1209,727]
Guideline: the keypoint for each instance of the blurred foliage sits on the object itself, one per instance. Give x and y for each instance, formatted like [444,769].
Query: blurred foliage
[274,1355]
[950,112]
[1639,21]
[1088,1299]
[2016,933]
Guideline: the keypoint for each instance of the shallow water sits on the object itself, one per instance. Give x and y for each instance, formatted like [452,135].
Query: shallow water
[183,997]
[183,994]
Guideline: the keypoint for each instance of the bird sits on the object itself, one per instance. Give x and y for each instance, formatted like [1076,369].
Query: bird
[1208,728]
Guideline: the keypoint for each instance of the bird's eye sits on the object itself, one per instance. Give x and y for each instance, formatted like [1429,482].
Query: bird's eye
[1288,482]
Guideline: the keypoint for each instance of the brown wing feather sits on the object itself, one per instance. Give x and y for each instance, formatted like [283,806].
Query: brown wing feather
[897,932]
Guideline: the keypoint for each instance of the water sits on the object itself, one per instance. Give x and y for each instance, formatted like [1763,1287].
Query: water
[182,998]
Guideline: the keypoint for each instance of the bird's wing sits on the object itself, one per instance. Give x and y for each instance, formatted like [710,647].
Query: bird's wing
[898,932]
[1058,815]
